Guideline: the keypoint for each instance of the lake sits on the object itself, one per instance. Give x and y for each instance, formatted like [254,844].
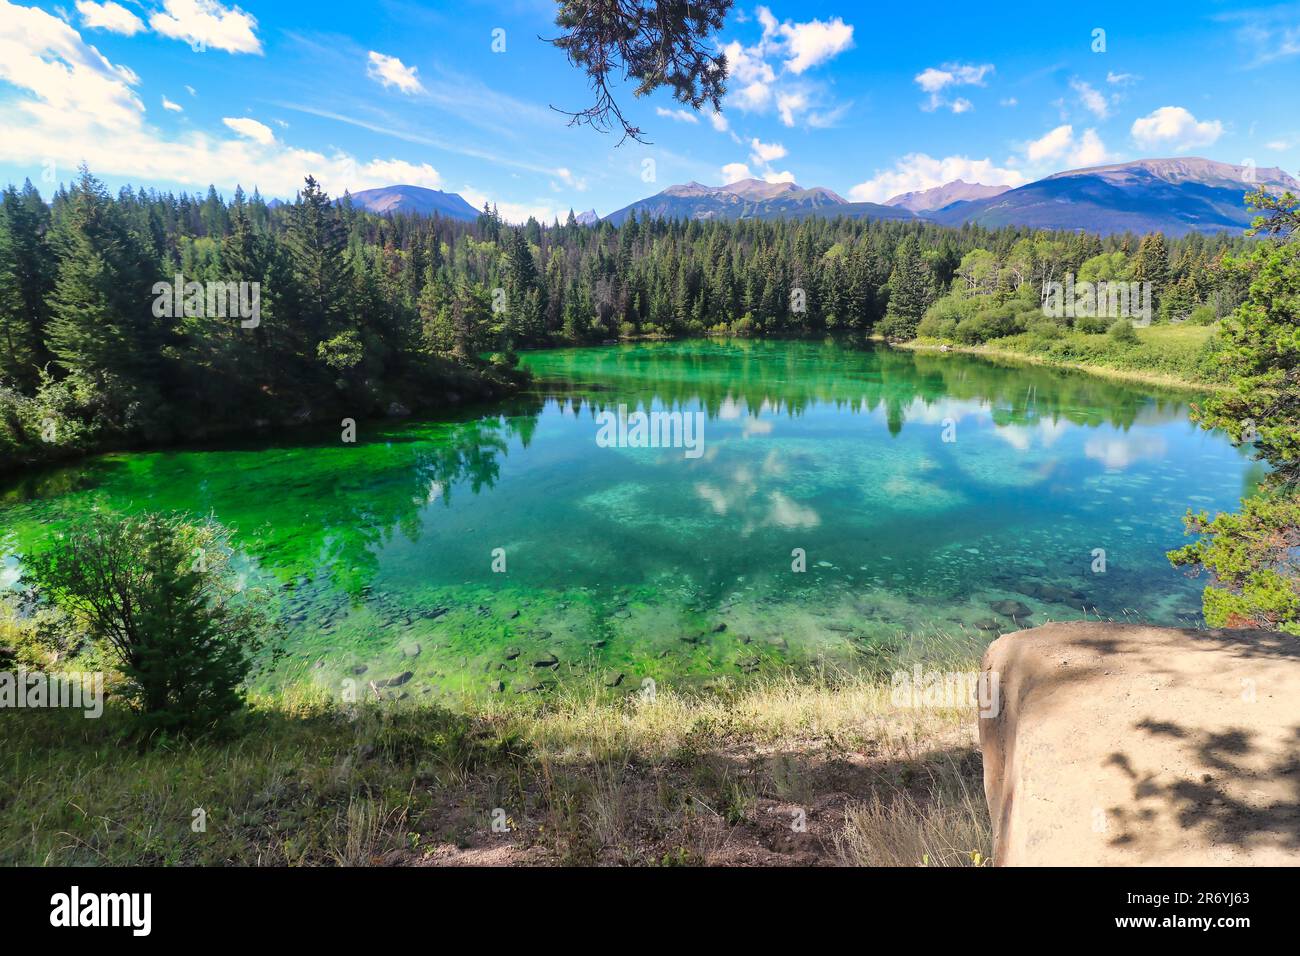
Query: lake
[835,506]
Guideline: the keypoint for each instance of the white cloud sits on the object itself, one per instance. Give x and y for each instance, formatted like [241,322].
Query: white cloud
[73,84]
[390,71]
[570,181]
[814,42]
[398,172]
[1089,151]
[1092,101]
[75,106]
[679,116]
[207,23]
[917,171]
[191,90]
[1061,146]
[1176,127]
[735,172]
[758,87]
[1121,79]
[719,122]
[934,80]
[110,16]
[541,210]
[785,176]
[174,107]
[766,152]
[788,104]
[251,128]
[1051,145]
[754,96]
[746,65]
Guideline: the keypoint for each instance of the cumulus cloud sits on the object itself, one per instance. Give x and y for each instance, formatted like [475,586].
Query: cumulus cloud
[174,107]
[758,86]
[73,105]
[735,172]
[390,71]
[917,171]
[766,152]
[934,80]
[1062,146]
[1175,127]
[814,42]
[251,128]
[110,16]
[207,23]
[1051,145]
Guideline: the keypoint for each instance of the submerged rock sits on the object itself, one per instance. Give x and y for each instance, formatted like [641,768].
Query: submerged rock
[613,678]
[546,660]
[411,650]
[1012,609]
[397,681]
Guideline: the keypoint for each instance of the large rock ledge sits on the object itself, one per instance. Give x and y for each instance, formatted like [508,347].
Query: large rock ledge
[1123,745]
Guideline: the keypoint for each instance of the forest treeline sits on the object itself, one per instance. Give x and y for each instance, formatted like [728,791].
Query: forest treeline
[362,314]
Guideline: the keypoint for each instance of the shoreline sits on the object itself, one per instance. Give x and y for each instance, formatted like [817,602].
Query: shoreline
[1134,376]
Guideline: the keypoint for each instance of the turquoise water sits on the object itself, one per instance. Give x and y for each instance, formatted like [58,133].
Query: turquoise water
[937,500]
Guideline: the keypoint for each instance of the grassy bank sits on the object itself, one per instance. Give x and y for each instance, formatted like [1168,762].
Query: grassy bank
[1169,356]
[723,778]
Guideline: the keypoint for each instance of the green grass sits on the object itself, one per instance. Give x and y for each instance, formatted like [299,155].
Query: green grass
[1178,355]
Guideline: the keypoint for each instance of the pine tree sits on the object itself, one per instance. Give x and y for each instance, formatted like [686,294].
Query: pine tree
[911,290]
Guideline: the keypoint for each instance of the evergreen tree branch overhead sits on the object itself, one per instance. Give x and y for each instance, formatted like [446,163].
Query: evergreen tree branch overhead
[653,44]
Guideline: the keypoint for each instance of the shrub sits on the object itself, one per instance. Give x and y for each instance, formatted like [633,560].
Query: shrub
[1123,333]
[159,594]
[1092,324]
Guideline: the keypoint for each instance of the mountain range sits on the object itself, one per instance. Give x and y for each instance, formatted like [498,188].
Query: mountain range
[1174,196]
[752,199]
[937,197]
[414,199]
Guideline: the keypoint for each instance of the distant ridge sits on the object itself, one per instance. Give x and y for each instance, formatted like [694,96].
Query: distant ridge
[1174,196]
[937,197]
[414,199]
[751,199]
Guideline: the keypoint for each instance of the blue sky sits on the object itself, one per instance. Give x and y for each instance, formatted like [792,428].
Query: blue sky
[182,93]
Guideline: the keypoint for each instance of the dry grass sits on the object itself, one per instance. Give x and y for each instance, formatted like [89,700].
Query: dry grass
[587,776]
[951,827]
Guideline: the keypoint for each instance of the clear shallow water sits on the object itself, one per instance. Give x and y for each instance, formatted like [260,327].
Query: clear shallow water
[626,560]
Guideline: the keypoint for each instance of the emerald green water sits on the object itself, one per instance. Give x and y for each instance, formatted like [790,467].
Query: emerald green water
[626,560]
